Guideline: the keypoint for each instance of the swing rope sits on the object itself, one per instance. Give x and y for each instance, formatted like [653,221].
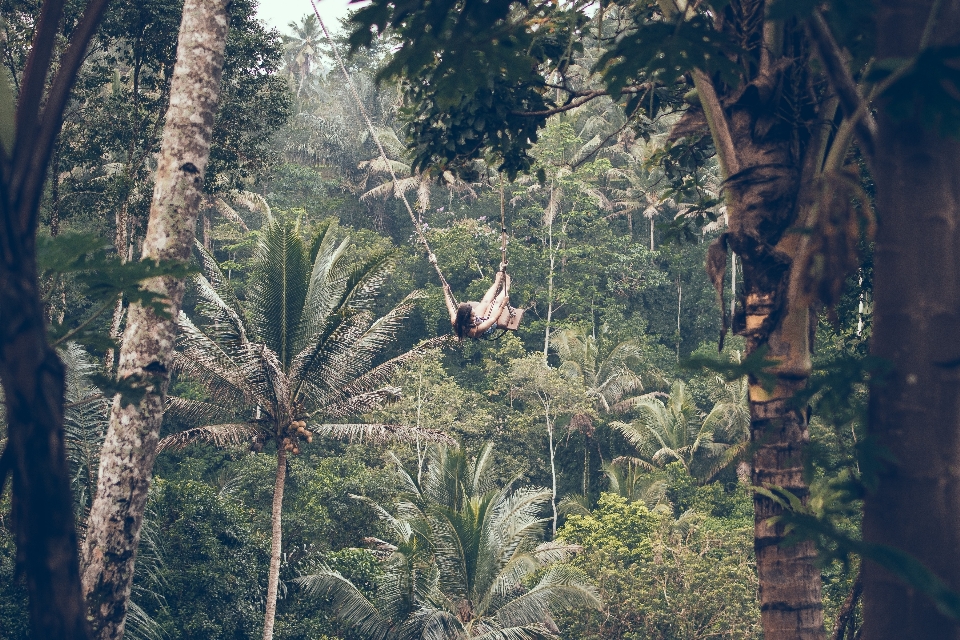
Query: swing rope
[418,227]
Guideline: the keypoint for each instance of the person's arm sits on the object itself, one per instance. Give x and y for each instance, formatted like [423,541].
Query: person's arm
[451,303]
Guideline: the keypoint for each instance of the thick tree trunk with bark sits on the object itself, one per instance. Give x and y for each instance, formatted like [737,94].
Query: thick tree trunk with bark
[915,412]
[31,373]
[766,161]
[129,450]
[276,544]
[33,385]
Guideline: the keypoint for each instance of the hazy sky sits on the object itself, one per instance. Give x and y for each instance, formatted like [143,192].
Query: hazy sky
[278,13]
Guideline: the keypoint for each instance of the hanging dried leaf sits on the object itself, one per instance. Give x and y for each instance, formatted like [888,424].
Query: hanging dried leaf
[717,271]
[840,216]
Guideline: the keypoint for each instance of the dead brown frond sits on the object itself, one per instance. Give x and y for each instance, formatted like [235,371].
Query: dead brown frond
[839,218]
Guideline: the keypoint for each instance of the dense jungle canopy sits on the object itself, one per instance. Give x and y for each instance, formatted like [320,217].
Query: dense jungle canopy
[234,403]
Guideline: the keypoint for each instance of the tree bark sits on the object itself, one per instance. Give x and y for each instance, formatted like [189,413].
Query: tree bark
[129,450]
[31,373]
[763,204]
[915,411]
[43,520]
[276,544]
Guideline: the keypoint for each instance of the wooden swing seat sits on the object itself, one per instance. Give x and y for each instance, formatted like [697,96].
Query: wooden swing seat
[510,318]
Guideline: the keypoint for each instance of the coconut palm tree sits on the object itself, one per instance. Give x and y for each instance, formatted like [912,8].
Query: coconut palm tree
[301,53]
[302,350]
[606,378]
[670,431]
[729,422]
[465,551]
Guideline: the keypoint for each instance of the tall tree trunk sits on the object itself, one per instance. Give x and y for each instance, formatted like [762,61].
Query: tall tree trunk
[31,373]
[915,412]
[276,544]
[43,520]
[550,215]
[129,450]
[553,473]
[763,196]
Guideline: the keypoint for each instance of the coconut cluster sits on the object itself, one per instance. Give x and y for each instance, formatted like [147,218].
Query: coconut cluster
[296,431]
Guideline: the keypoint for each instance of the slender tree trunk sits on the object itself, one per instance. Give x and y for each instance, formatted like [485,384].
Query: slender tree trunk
[846,618]
[915,412]
[679,310]
[586,464]
[276,544]
[733,283]
[550,216]
[129,450]
[553,473]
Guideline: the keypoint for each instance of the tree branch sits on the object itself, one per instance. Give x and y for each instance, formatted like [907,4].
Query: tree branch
[52,118]
[842,82]
[579,100]
[33,81]
[717,121]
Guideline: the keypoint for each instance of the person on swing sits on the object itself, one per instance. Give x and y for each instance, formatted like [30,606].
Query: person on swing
[480,319]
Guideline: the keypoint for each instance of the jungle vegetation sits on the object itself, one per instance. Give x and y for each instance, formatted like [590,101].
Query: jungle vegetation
[229,378]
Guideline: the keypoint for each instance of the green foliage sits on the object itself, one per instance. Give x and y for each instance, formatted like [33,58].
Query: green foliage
[464,560]
[100,276]
[213,564]
[661,49]
[662,577]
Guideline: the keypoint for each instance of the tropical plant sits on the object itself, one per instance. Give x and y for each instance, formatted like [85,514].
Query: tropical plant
[665,432]
[465,556]
[301,51]
[729,422]
[304,349]
[606,378]
[629,480]
[535,382]
[84,423]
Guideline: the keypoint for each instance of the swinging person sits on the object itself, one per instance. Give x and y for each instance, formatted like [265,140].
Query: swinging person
[480,319]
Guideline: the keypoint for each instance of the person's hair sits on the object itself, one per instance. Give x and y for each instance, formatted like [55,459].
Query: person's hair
[464,320]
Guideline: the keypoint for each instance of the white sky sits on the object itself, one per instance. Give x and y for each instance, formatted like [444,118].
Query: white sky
[279,13]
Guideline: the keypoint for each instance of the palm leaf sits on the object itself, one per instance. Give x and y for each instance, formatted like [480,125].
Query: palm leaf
[279,286]
[221,435]
[350,605]
[379,433]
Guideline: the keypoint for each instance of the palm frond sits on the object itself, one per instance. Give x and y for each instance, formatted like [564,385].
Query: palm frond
[221,435]
[380,433]
[196,411]
[350,605]
[279,287]
[561,587]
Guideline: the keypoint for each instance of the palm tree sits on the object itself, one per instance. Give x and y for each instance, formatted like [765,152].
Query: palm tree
[301,51]
[671,431]
[606,379]
[729,422]
[628,480]
[464,552]
[303,349]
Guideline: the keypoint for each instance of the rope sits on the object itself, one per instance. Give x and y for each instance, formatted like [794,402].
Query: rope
[383,154]
[503,239]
